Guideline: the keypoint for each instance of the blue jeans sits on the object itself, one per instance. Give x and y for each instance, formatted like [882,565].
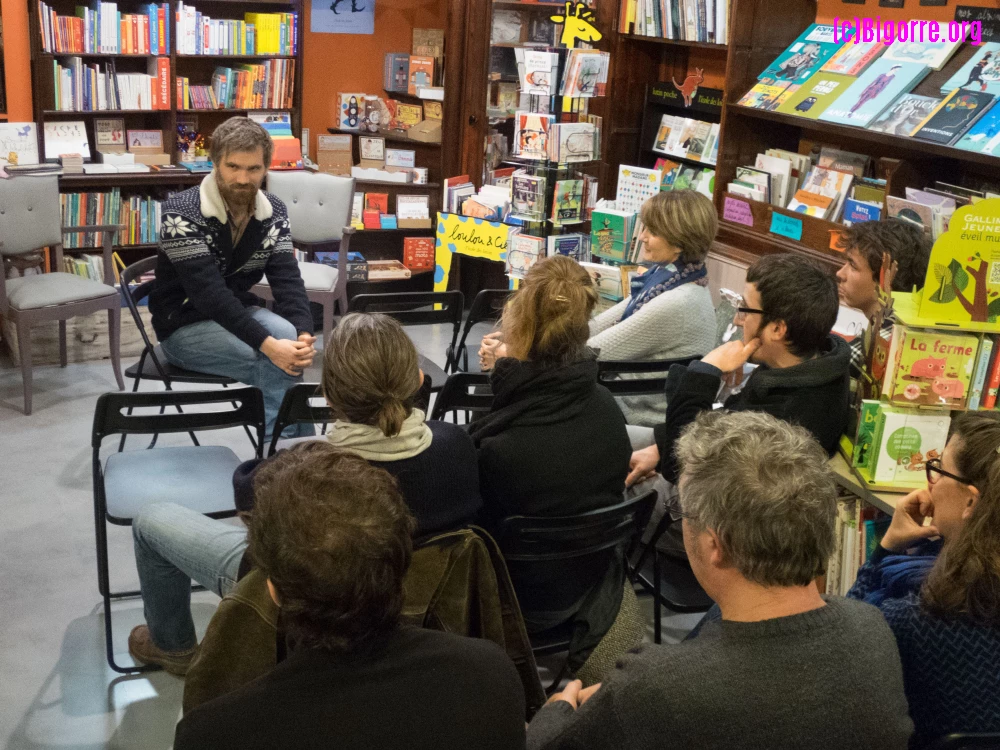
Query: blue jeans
[208,347]
[174,545]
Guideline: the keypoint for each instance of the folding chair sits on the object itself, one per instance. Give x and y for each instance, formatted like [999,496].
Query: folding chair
[486,307]
[533,543]
[198,477]
[297,408]
[608,372]
[464,391]
[153,364]
[419,308]
[668,579]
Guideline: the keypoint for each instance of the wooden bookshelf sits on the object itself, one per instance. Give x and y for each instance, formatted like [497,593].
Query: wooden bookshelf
[198,68]
[391,136]
[676,42]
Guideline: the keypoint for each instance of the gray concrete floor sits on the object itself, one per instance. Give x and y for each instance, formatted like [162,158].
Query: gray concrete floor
[56,689]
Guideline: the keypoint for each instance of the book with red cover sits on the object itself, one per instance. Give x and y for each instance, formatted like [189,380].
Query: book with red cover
[418,253]
[421,73]
[371,218]
[377,202]
[159,69]
[992,381]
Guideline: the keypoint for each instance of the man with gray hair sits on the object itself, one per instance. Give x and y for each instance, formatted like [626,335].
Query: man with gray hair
[779,666]
[216,241]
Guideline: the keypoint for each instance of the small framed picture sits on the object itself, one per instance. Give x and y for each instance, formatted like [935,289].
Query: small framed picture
[372,148]
[145,140]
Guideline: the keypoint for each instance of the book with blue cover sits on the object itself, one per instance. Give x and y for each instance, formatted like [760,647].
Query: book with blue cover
[953,116]
[856,211]
[874,91]
[981,72]
[803,57]
[984,136]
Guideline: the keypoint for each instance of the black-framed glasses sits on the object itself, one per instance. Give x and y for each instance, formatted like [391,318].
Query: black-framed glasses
[934,471]
[748,310]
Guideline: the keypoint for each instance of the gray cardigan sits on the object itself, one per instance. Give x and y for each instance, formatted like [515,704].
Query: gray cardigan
[676,324]
[829,678]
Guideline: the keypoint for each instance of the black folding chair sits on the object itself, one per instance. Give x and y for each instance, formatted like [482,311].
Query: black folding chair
[486,307]
[298,407]
[199,477]
[534,543]
[464,391]
[668,578]
[419,308]
[608,372]
[958,741]
[153,364]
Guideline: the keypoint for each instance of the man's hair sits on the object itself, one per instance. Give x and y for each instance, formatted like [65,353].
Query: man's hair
[240,134]
[548,320]
[763,486]
[332,533]
[906,244]
[685,219]
[371,373]
[798,292]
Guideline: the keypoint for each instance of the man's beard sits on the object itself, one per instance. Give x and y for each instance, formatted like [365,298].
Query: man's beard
[236,195]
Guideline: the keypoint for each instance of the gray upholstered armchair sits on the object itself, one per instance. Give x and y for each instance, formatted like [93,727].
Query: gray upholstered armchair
[30,220]
[319,212]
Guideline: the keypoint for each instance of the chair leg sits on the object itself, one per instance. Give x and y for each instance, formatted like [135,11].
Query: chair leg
[24,347]
[63,357]
[246,429]
[114,342]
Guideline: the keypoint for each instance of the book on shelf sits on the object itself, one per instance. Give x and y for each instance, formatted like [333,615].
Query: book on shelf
[102,29]
[686,20]
[635,186]
[853,58]
[856,211]
[904,439]
[456,190]
[872,92]
[396,72]
[567,202]
[537,71]
[929,368]
[257,33]
[844,161]
[932,54]
[387,270]
[418,253]
[611,232]
[421,73]
[78,87]
[858,529]
[528,195]
[956,113]
[978,73]
[905,114]
[140,215]
[270,85]
[992,377]
[66,137]
[522,252]
[531,135]
[980,376]
[983,136]
[573,142]
[803,57]
[585,73]
[574,245]
[769,95]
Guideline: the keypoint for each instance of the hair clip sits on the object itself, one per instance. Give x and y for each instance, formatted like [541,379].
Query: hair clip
[998,449]
[560,298]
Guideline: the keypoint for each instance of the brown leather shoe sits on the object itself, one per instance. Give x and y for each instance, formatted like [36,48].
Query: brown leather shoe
[142,649]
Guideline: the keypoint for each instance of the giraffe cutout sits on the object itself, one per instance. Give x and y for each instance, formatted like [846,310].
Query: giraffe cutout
[578,24]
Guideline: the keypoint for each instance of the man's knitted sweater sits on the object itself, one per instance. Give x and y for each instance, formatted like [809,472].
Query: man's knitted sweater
[676,324]
[200,275]
[829,678]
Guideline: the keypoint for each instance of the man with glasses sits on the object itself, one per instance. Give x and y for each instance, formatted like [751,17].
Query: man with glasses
[778,665]
[789,307]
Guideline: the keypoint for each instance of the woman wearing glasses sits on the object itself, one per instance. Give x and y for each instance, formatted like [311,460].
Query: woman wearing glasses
[936,578]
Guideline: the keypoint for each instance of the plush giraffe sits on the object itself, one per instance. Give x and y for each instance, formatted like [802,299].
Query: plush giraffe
[577,22]
[690,86]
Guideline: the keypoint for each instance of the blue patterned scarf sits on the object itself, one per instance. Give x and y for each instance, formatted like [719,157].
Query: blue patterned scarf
[661,278]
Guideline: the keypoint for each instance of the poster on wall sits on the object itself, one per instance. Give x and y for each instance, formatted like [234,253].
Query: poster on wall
[343,17]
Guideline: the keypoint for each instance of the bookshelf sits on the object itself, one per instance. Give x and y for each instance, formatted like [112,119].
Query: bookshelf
[198,68]
[761,30]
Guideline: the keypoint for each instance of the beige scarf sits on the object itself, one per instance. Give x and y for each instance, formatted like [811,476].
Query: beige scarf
[371,444]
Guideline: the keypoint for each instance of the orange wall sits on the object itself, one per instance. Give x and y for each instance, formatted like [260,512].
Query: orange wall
[17,59]
[353,62]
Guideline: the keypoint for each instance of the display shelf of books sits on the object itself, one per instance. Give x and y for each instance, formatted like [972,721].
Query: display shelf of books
[696,23]
[803,111]
[676,42]
[392,136]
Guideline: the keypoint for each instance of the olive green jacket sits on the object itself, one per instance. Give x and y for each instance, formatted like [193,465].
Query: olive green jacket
[457,583]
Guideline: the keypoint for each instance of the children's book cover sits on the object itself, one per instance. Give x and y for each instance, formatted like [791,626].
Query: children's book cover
[853,58]
[803,57]
[667,125]
[953,116]
[635,186]
[576,246]
[984,136]
[377,202]
[815,95]
[533,135]
[567,200]
[905,114]
[522,252]
[980,73]
[932,54]
[529,196]
[873,92]
[610,232]
[933,368]
[352,109]
[913,212]
[864,455]
[963,275]
[421,73]
[906,439]
[768,96]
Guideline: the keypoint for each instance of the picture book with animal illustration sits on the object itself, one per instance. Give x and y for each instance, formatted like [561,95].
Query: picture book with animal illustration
[567,200]
[932,54]
[529,196]
[980,73]
[18,143]
[953,116]
[904,441]
[803,57]
[768,96]
[610,233]
[532,135]
[813,97]
[905,114]
[873,92]
[930,368]
[522,252]
[852,59]
[984,136]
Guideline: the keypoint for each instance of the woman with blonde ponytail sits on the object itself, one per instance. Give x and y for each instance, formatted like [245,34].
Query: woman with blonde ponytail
[371,379]
[936,578]
[554,443]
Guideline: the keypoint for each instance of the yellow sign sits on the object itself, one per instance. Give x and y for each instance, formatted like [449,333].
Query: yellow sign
[468,236]
[578,23]
[963,276]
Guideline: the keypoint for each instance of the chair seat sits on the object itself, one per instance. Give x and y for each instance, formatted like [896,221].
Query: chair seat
[58,288]
[679,589]
[197,477]
[434,372]
[174,373]
[318,277]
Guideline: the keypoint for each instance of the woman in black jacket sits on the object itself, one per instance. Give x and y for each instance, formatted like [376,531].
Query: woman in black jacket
[554,443]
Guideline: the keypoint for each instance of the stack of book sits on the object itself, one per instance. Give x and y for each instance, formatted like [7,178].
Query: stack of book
[689,20]
[140,216]
[270,85]
[456,190]
[103,30]
[85,88]
[257,34]
[88,266]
